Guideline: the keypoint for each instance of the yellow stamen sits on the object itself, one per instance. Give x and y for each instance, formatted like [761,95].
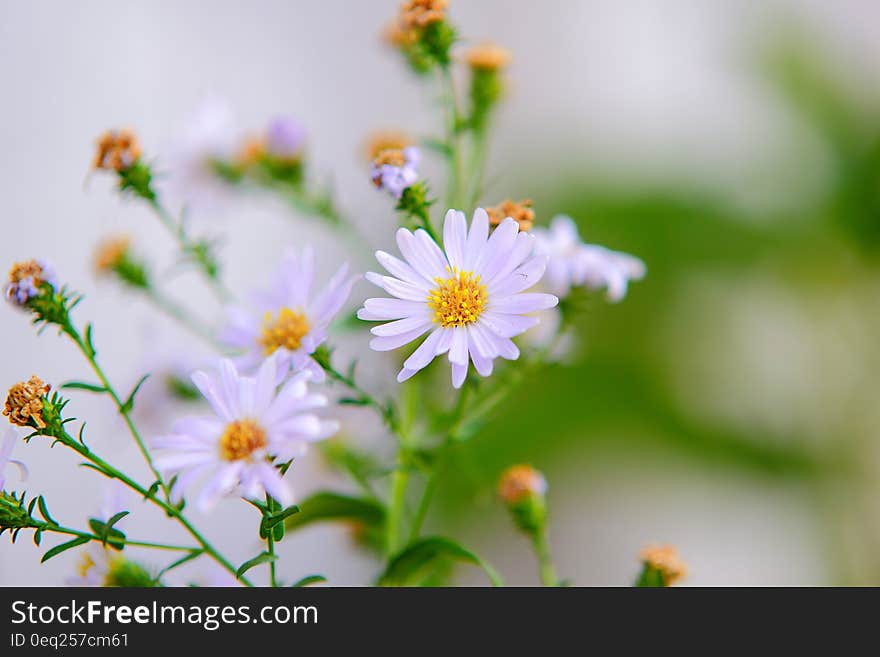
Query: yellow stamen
[458,300]
[241,439]
[286,330]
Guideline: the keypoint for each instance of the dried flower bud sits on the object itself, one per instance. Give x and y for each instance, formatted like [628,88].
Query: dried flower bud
[488,57]
[110,252]
[522,489]
[24,403]
[117,150]
[662,561]
[26,279]
[421,13]
[521,212]
[252,151]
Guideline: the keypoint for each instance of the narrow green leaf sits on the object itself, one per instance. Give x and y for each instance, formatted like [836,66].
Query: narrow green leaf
[418,559]
[129,403]
[308,580]
[44,511]
[189,557]
[58,549]
[325,505]
[263,557]
[280,516]
[82,385]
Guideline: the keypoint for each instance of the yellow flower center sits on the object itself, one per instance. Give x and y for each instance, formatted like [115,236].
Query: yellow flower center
[286,330]
[85,564]
[241,439]
[458,300]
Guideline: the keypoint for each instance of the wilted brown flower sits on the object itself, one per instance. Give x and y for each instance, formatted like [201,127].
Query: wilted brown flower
[386,140]
[24,403]
[117,150]
[110,252]
[421,13]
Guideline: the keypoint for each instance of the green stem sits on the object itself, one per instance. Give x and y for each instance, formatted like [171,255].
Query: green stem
[180,315]
[477,166]
[399,481]
[58,529]
[88,351]
[545,561]
[192,250]
[170,510]
[452,142]
[270,544]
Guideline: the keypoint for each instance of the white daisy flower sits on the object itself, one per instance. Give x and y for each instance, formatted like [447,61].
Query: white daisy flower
[253,428]
[286,320]
[10,438]
[95,566]
[572,263]
[469,297]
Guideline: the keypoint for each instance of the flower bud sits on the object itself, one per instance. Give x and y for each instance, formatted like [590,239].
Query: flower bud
[488,57]
[520,211]
[27,280]
[422,34]
[523,490]
[661,566]
[14,515]
[117,150]
[24,403]
[113,256]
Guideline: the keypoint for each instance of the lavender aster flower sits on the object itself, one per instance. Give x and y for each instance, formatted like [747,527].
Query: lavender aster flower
[469,297]
[25,280]
[286,319]
[572,263]
[6,446]
[285,138]
[394,170]
[253,428]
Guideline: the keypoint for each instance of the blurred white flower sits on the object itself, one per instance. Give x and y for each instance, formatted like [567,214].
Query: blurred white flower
[209,136]
[254,427]
[286,320]
[469,297]
[572,263]
[10,438]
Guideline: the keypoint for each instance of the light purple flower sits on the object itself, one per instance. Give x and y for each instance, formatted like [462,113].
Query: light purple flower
[209,136]
[469,297]
[6,446]
[286,319]
[27,277]
[285,137]
[571,263]
[254,428]
[393,178]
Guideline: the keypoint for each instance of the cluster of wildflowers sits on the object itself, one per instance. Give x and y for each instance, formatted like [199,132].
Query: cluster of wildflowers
[470,290]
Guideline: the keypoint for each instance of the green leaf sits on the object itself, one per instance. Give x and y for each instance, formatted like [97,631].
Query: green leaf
[308,580]
[82,385]
[326,505]
[189,557]
[280,516]
[129,403]
[420,558]
[263,557]
[58,549]
[41,503]
[105,531]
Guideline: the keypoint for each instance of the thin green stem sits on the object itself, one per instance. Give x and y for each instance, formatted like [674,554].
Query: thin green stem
[399,481]
[172,511]
[546,568]
[270,544]
[58,529]
[450,102]
[477,167]
[181,316]
[193,250]
[122,407]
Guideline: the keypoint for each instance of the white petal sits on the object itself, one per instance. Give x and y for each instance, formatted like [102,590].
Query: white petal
[395,341]
[380,309]
[520,304]
[483,365]
[455,237]
[210,389]
[507,326]
[498,249]
[506,348]
[521,279]
[523,247]
[398,288]
[459,374]
[458,351]
[426,351]
[400,269]
[401,325]
[414,253]
[332,297]
[476,239]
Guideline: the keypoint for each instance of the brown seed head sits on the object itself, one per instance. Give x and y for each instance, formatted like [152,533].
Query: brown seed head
[117,150]
[24,403]
[520,211]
